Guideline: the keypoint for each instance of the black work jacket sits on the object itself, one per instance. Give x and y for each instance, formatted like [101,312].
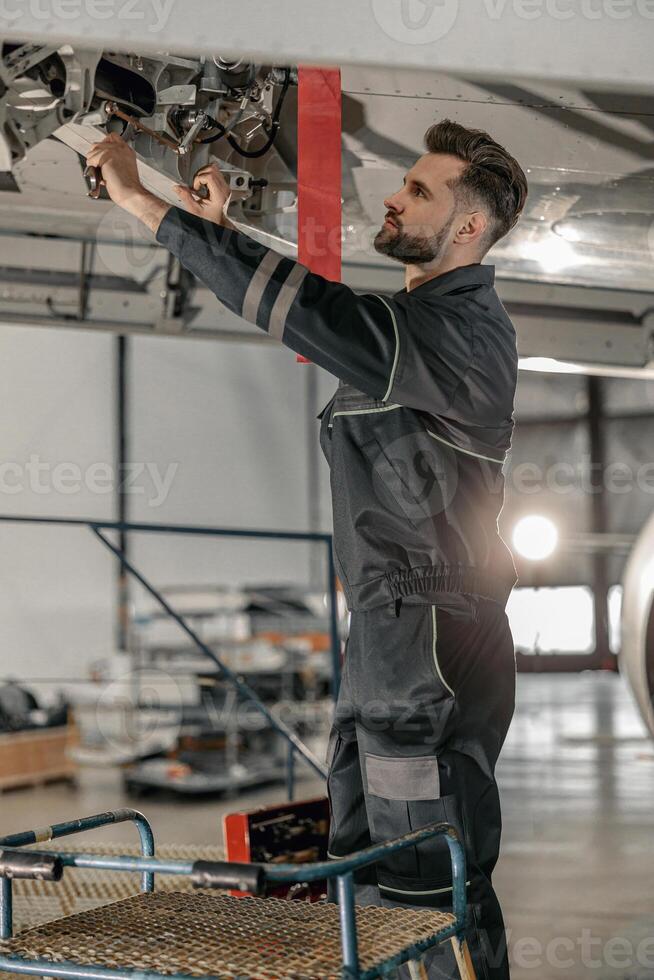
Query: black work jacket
[418,430]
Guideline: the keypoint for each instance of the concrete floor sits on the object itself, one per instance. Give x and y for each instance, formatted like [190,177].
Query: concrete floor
[575,876]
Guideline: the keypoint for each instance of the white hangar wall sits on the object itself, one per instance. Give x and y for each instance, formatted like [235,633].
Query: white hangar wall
[224,426]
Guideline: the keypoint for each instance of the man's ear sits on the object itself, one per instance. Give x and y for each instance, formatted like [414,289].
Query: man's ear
[472,228]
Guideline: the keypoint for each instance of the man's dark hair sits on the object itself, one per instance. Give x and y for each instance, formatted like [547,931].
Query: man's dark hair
[493,177]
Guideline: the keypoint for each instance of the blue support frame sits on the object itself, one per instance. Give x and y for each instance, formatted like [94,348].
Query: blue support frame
[295,744]
[219,873]
[6,909]
[65,829]
[345,892]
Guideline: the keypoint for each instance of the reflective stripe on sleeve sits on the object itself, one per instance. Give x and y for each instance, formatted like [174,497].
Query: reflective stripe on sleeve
[258,283]
[284,300]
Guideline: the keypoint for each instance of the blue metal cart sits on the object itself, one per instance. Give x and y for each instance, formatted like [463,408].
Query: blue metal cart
[214,936]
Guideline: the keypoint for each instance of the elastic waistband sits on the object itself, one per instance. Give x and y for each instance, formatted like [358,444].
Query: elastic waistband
[417,581]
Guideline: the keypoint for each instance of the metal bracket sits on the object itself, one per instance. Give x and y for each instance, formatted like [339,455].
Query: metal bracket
[30,865]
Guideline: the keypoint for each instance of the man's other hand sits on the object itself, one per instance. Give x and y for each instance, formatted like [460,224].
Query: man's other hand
[117,162]
[213,204]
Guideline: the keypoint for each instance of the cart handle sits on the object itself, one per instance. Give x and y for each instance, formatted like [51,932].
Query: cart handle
[123,815]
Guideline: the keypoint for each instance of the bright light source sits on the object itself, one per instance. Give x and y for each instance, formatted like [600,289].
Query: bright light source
[535,537]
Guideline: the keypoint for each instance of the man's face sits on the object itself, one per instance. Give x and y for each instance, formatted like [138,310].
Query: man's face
[422,213]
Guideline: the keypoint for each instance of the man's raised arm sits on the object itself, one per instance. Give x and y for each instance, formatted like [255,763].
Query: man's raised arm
[354,337]
[366,340]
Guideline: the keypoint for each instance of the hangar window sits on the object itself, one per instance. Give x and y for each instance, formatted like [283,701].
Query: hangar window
[552,620]
[615,610]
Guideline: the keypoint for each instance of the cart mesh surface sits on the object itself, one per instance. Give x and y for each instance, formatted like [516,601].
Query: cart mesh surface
[36,902]
[213,934]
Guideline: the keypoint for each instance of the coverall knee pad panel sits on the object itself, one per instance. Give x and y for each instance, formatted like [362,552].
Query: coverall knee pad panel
[400,778]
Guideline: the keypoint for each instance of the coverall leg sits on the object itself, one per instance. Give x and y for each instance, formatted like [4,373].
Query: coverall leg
[426,699]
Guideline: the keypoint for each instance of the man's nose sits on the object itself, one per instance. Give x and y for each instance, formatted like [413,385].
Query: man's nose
[392,205]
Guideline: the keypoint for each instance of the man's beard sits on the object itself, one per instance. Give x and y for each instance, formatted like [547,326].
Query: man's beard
[412,249]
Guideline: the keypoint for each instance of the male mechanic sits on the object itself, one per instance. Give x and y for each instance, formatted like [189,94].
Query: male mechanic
[415,435]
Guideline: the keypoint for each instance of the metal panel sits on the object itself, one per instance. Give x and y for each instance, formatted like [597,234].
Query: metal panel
[495,38]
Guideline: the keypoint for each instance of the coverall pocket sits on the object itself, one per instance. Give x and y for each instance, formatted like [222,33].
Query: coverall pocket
[332,746]
[335,741]
[438,622]
[421,874]
[348,827]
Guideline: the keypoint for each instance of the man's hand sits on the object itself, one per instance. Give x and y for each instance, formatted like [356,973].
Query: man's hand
[117,162]
[213,205]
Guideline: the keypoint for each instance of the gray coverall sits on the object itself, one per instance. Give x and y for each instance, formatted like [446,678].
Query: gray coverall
[415,436]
